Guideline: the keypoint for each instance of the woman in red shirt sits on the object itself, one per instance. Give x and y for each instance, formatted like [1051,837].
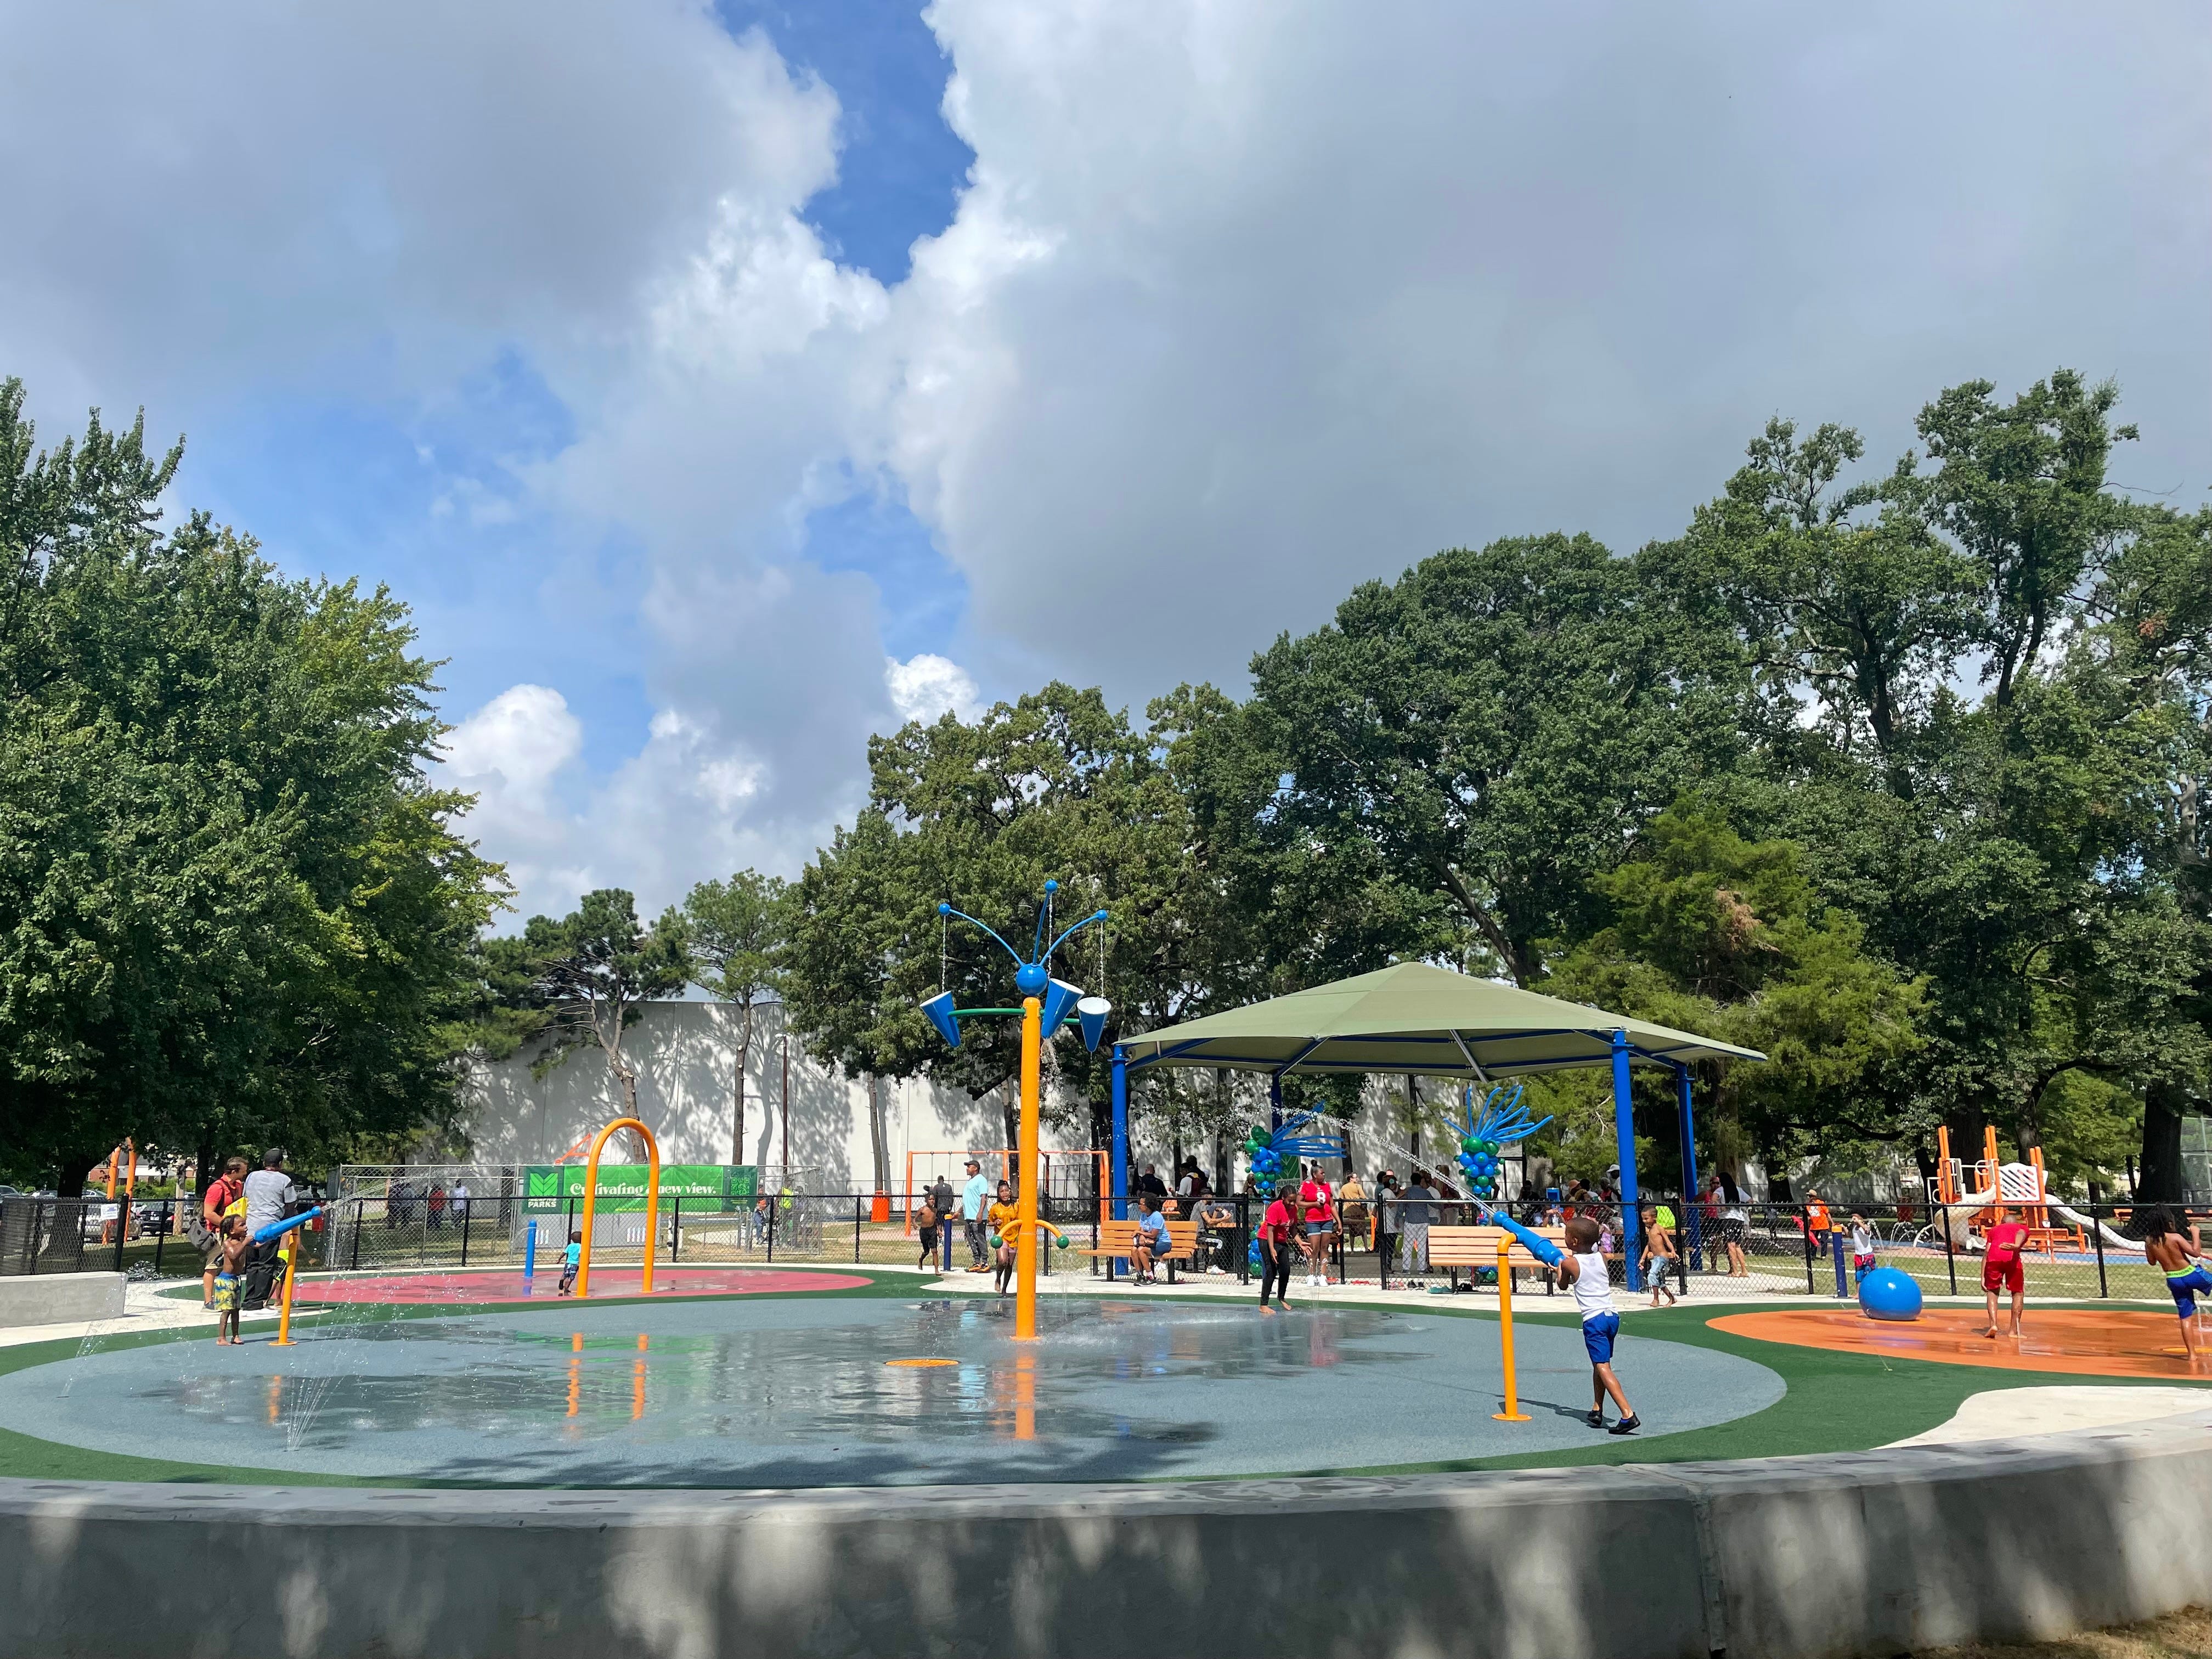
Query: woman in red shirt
[1275,1230]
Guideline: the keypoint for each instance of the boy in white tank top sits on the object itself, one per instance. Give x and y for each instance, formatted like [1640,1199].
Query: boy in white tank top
[1584,1272]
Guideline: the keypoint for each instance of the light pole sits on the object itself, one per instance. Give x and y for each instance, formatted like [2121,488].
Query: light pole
[1045,1005]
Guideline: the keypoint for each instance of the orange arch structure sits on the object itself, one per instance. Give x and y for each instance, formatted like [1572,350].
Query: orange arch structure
[591,1200]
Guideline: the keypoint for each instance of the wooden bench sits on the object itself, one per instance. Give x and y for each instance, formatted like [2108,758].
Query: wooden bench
[1454,1248]
[1118,1239]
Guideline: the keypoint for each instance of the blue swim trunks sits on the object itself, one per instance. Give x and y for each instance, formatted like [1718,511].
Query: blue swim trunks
[1599,1332]
[2184,1287]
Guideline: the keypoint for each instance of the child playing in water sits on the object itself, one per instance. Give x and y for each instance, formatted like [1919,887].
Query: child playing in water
[1658,1253]
[1862,1247]
[571,1260]
[2179,1256]
[2003,1269]
[1584,1270]
[228,1282]
[925,1223]
[1275,1229]
[1004,1214]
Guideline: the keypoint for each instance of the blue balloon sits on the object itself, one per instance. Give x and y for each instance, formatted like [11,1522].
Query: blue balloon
[1888,1294]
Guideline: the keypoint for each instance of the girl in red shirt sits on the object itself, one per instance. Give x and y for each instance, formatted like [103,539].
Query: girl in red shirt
[1276,1228]
[1319,1204]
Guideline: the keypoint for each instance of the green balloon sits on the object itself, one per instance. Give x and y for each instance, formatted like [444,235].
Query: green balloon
[996,1241]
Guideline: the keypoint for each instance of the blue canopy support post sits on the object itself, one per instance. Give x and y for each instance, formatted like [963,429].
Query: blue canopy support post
[1691,1231]
[1119,1175]
[1624,1130]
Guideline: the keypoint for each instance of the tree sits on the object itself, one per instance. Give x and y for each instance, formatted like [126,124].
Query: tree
[231,906]
[1054,784]
[1709,932]
[582,981]
[737,931]
[1497,725]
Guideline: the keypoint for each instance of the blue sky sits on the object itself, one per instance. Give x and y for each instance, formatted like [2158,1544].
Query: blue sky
[722,386]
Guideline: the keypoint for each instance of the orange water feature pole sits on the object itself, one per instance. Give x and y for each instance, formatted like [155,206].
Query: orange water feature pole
[1512,1413]
[590,1197]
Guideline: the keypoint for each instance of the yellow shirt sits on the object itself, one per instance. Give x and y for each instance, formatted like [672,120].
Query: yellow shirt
[1002,1214]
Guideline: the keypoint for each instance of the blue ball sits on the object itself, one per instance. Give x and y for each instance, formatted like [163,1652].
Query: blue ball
[1029,978]
[1886,1293]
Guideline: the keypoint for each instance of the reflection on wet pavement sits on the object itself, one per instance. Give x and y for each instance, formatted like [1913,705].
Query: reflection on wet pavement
[805,1392]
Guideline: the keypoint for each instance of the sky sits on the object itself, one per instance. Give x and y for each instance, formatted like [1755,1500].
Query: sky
[721,386]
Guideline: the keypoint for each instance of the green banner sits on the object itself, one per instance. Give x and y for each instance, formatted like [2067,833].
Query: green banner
[550,1187]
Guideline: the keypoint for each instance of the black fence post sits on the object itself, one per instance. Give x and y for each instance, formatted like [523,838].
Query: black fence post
[360,1220]
[772,1208]
[162,1233]
[2097,1232]
[122,1231]
[856,1229]
[1805,1226]
[675,1232]
[1950,1249]
[467,1218]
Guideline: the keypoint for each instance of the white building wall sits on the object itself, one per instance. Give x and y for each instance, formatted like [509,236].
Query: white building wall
[686,1055]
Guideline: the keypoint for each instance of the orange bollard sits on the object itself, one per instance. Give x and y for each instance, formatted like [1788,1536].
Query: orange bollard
[1512,1413]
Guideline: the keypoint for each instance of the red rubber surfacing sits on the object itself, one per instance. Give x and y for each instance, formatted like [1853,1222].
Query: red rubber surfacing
[607,1283]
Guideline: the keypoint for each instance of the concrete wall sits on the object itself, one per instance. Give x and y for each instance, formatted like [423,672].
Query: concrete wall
[1784,1559]
[53,1298]
[685,1054]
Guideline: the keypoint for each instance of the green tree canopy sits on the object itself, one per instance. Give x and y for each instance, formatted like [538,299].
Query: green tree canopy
[232,907]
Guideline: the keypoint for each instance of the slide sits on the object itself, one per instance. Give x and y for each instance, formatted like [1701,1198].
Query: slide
[2112,1239]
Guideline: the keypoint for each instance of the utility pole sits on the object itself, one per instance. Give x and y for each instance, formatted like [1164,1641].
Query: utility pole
[786,1040]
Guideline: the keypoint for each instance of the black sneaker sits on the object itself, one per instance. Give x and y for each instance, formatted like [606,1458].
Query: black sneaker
[1597,1418]
[1628,1424]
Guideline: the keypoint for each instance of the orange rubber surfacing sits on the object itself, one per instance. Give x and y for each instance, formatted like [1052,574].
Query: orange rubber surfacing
[2123,1342]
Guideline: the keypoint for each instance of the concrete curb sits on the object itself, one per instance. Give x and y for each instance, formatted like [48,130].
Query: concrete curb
[1865,1553]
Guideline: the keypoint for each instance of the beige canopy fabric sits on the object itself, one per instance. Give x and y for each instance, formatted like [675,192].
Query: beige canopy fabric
[1414,1017]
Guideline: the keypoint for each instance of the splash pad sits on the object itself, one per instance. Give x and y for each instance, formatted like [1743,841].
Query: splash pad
[845,1391]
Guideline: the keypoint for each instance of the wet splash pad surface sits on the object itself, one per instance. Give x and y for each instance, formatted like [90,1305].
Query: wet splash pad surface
[802,1393]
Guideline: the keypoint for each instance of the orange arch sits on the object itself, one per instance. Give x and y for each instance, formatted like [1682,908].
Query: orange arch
[592,1193]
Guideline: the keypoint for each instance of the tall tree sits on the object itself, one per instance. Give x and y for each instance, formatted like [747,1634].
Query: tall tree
[582,981]
[231,905]
[738,931]
[1497,724]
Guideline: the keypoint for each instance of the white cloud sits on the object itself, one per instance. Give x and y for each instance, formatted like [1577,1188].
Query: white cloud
[926,686]
[1239,307]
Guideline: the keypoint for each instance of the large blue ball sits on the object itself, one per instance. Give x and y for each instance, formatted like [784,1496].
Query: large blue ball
[1886,1293]
[1029,979]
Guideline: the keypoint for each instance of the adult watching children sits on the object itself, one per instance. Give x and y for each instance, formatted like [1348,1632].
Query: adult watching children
[974,1213]
[268,1191]
[226,1193]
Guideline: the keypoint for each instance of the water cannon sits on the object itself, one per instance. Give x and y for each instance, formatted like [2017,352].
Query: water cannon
[276,1229]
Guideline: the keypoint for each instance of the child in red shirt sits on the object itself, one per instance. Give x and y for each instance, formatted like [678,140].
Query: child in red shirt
[1276,1228]
[2003,1269]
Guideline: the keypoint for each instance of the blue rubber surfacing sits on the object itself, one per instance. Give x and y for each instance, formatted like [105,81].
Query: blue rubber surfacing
[797,1392]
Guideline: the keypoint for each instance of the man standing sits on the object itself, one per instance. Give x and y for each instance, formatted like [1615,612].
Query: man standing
[974,1206]
[225,1192]
[1150,1181]
[460,1203]
[1418,1210]
[941,1193]
[268,1194]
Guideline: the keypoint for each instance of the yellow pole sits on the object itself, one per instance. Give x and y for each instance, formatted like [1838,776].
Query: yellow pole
[284,1320]
[1026,1246]
[1512,1413]
[592,1193]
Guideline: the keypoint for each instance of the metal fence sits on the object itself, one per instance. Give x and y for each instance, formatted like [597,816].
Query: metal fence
[2075,1253]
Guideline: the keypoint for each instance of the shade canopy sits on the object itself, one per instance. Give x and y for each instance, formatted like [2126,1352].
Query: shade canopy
[1414,1017]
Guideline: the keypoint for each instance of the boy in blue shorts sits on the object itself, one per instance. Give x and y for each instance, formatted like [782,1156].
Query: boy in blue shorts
[571,1260]
[1583,1270]
[2177,1255]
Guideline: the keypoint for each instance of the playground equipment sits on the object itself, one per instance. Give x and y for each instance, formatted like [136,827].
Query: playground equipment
[2020,1186]
[1047,1005]
[270,1234]
[1886,1293]
[1502,1122]
[591,1200]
